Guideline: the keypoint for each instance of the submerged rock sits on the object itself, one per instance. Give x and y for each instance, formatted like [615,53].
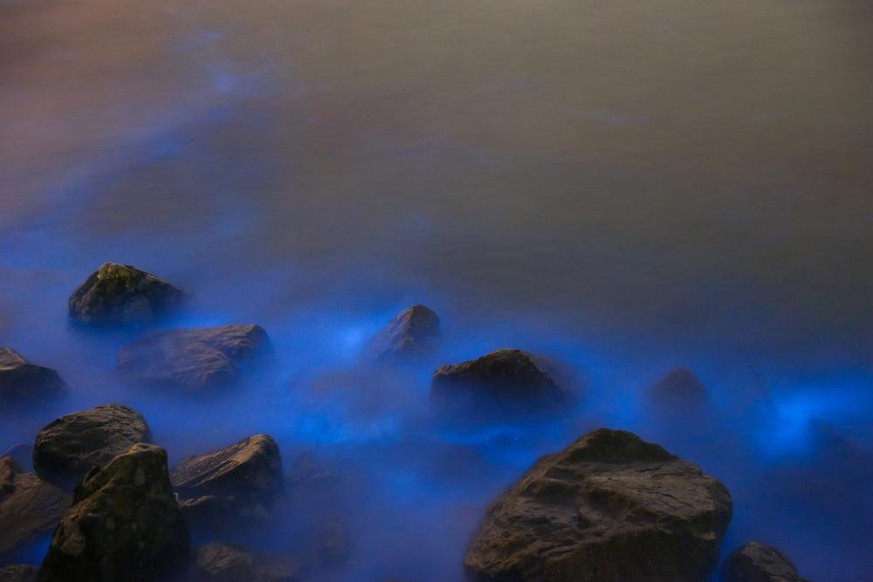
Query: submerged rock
[67,448]
[119,295]
[505,377]
[217,562]
[192,359]
[235,484]
[19,573]
[757,562]
[22,381]
[124,524]
[413,332]
[611,508]
[678,389]
[29,507]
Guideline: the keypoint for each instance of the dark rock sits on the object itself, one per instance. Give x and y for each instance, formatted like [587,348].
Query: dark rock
[233,485]
[757,562]
[120,295]
[21,381]
[124,524]
[610,507]
[192,359]
[19,573]
[29,507]
[413,332]
[505,377]
[678,389]
[67,448]
[217,562]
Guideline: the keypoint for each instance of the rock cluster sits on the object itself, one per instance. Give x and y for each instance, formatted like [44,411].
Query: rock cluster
[611,508]
[192,359]
[67,448]
[122,295]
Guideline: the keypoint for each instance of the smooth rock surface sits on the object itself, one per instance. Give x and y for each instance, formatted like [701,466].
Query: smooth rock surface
[192,359]
[22,381]
[121,295]
[757,562]
[611,508]
[413,332]
[29,507]
[67,448]
[124,524]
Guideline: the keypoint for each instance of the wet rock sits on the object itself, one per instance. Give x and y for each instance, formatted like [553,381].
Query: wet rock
[19,573]
[29,507]
[67,448]
[24,382]
[122,295]
[610,507]
[679,388]
[413,332]
[124,524]
[505,377]
[233,485]
[217,562]
[757,562]
[192,359]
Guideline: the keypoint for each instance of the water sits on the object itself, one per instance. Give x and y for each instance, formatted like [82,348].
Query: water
[628,186]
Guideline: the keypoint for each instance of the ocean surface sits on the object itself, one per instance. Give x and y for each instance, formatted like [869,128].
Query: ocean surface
[624,186]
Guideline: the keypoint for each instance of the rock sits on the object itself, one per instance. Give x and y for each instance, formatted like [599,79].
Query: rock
[233,485]
[413,332]
[122,295]
[29,507]
[22,454]
[22,381]
[757,562]
[192,359]
[124,524]
[680,388]
[610,507]
[19,573]
[217,562]
[505,377]
[72,445]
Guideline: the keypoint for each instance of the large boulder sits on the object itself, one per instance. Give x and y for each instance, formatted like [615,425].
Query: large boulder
[22,381]
[611,508]
[233,485]
[505,378]
[217,562]
[67,448]
[122,295]
[29,507]
[124,524]
[677,390]
[757,562]
[413,332]
[192,359]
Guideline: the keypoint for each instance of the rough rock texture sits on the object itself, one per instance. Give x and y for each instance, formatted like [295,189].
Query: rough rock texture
[610,507]
[119,295]
[70,446]
[22,381]
[678,388]
[236,484]
[19,573]
[217,562]
[507,377]
[124,524]
[29,507]
[757,562]
[413,332]
[192,359]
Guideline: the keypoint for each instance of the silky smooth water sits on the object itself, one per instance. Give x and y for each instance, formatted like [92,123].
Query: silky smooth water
[627,186]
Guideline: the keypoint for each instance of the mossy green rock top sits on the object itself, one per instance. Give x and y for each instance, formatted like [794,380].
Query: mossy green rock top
[122,295]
